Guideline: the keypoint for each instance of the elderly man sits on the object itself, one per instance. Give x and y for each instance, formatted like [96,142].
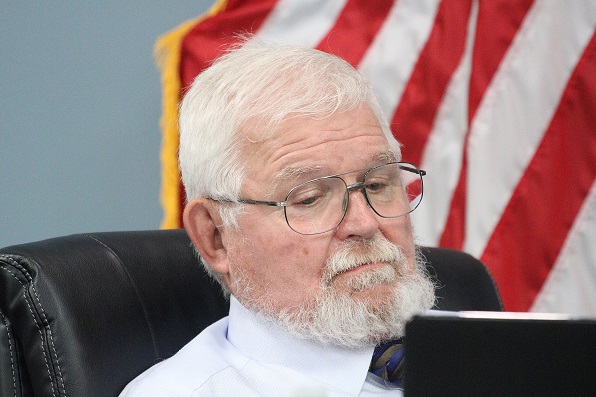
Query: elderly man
[299,207]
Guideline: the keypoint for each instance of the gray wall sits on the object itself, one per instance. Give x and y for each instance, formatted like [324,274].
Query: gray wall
[80,101]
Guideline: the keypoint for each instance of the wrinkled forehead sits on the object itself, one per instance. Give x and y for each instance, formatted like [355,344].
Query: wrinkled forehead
[305,148]
[292,173]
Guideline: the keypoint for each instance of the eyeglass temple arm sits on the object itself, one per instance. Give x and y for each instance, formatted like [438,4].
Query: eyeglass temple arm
[414,170]
[249,201]
[269,203]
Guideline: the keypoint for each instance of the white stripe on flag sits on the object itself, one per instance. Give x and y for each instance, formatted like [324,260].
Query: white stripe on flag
[390,59]
[517,108]
[570,286]
[301,22]
[442,156]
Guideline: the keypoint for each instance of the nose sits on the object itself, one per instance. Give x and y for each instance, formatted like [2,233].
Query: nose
[360,220]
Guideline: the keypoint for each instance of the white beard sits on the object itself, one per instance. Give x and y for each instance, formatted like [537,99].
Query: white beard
[335,317]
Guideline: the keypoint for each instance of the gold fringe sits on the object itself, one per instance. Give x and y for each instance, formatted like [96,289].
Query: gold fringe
[167,57]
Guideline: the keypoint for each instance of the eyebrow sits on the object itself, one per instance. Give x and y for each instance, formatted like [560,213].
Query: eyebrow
[289,173]
[292,173]
[388,156]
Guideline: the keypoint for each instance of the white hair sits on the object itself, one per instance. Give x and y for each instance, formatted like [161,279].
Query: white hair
[258,85]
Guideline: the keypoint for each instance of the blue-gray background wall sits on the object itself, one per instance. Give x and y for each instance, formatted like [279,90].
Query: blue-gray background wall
[80,102]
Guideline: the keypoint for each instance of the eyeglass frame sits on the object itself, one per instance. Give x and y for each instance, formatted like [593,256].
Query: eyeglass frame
[358,186]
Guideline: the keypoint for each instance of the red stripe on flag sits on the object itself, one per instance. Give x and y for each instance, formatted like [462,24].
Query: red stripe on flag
[413,120]
[355,29]
[503,17]
[526,242]
[212,36]
[497,25]
[455,227]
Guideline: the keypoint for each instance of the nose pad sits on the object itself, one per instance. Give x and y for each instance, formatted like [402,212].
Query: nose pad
[344,206]
[365,198]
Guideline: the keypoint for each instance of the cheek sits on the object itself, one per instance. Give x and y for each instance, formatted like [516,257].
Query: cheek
[281,256]
[399,232]
[309,248]
[290,246]
[299,259]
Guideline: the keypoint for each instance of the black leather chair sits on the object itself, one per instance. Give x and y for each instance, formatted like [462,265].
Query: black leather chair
[82,315]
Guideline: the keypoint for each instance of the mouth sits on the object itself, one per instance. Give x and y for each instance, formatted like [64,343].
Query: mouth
[361,268]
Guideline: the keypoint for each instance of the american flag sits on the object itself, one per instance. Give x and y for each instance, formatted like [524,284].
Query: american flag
[495,99]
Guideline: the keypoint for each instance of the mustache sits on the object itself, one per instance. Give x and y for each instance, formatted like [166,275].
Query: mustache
[357,252]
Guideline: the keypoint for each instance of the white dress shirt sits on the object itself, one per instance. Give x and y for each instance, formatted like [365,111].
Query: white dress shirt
[246,355]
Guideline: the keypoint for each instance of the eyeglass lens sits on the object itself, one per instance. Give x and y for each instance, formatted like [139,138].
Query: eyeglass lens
[319,205]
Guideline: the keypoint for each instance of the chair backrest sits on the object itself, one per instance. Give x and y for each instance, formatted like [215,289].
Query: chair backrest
[83,315]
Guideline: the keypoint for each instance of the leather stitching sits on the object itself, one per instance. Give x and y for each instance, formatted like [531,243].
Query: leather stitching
[44,319]
[37,325]
[14,378]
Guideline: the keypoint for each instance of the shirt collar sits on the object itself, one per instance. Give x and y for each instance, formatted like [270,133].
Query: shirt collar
[268,342]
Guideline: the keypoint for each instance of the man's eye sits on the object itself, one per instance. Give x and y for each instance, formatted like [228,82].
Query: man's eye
[375,187]
[307,200]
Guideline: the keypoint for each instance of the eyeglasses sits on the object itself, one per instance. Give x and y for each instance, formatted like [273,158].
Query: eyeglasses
[317,206]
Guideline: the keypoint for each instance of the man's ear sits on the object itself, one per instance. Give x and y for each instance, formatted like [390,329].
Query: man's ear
[204,227]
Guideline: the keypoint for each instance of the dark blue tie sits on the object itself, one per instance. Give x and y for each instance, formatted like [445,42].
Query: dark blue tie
[388,361]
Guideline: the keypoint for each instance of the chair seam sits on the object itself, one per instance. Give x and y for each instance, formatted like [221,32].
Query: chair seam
[45,358]
[44,318]
[14,377]
[134,287]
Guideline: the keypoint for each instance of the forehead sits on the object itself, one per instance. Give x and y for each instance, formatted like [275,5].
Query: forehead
[295,172]
[342,142]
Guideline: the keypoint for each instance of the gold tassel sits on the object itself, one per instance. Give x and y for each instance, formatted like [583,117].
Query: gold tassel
[167,57]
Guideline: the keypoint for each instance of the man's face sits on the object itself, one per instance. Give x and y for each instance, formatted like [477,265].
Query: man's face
[272,264]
